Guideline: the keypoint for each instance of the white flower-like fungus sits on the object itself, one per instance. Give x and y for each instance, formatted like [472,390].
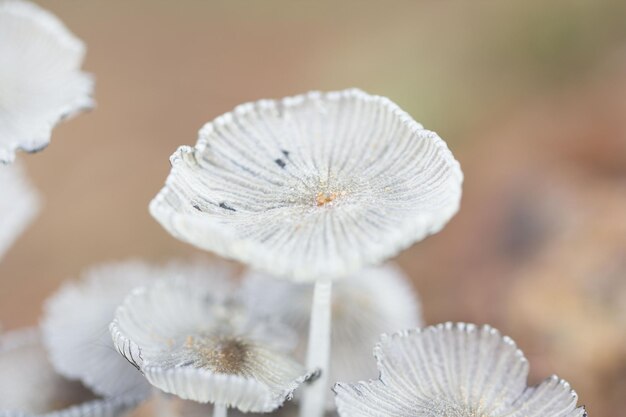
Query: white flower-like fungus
[29,386]
[40,78]
[19,203]
[454,370]
[364,305]
[187,344]
[310,187]
[76,320]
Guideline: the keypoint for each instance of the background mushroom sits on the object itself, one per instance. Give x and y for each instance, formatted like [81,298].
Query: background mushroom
[40,77]
[188,344]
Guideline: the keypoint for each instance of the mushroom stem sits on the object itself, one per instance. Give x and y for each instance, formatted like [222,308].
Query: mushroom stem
[318,351]
[219,410]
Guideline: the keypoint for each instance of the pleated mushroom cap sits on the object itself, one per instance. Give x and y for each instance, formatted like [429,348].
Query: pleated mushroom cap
[454,370]
[188,345]
[310,187]
[19,203]
[40,78]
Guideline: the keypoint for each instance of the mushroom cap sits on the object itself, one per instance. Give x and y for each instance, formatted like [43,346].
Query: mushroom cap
[187,344]
[40,78]
[309,187]
[453,370]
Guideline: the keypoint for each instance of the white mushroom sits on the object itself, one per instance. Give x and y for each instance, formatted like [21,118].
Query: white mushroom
[454,370]
[313,188]
[40,78]
[187,344]
[310,187]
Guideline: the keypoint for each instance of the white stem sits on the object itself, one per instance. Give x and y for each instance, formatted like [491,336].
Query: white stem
[219,410]
[318,354]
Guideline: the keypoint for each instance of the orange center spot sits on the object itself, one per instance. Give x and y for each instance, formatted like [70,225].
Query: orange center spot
[324,198]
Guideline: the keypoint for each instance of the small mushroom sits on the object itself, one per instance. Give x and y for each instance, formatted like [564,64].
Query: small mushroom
[453,370]
[189,345]
[40,78]
[310,187]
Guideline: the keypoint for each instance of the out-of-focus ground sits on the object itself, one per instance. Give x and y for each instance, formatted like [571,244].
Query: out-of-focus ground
[530,95]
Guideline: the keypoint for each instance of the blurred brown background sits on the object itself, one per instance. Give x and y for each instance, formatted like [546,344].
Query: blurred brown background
[530,95]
